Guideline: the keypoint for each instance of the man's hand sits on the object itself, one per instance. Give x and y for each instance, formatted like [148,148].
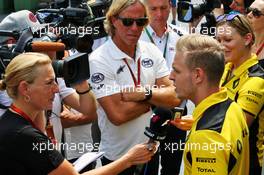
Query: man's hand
[71,118]
[184,123]
[67,117]
[194,24]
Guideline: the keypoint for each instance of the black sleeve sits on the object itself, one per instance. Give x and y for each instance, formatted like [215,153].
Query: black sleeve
[37,152]
[261,63]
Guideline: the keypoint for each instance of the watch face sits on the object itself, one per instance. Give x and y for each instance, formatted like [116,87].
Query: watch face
[148,94]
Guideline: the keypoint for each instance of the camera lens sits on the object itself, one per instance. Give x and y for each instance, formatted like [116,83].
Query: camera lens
[58,67]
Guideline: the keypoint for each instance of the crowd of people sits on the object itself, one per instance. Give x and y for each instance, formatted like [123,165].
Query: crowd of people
[146,63]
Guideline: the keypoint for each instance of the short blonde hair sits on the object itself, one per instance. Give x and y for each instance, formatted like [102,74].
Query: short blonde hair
[22,68]
[117,7]
[204,52]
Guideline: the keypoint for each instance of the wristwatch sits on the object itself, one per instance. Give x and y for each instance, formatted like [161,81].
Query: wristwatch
[148,94]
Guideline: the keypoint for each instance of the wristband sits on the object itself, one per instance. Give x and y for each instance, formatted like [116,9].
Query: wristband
[84,92]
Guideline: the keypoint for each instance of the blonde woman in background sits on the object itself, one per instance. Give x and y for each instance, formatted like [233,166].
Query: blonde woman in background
[243,77]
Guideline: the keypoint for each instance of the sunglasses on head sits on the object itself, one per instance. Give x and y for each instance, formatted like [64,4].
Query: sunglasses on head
[229,17]
[130,21]
[255,12]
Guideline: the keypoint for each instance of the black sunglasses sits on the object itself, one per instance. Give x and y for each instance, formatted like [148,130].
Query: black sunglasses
[229,17]
[255,12]
[130,21]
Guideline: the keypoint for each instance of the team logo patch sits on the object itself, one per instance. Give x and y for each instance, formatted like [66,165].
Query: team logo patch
[97,77]
[32,17]
[171,49]
[120,69]
[239,146]
[100,86]
[147,62]
[205,160]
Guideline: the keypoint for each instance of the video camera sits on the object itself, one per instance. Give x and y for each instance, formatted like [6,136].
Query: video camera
[78,24]
[187,12]
[78,15]
[73,69]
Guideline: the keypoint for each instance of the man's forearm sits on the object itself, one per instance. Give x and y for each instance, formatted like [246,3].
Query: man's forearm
[164,97]
[76,120]
[119,111]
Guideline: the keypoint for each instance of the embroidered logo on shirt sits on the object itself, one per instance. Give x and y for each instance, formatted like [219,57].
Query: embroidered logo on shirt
[205,160]
[171,48]
[120,69]
[100,86]
[239,146]
[147,62]
[97,77]
[206,170]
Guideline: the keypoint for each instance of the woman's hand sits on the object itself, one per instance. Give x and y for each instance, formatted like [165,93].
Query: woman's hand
[140,154]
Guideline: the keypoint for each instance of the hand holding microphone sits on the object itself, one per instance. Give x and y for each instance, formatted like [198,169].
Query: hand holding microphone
[158,125]
[184,123]
[180,121]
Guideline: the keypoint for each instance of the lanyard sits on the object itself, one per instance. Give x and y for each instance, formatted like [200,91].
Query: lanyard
[166,43]
[24,115]
[260,49]
[136,82]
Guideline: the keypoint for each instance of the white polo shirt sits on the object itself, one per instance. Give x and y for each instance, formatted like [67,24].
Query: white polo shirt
[109,74]
[166,43]
[56,108]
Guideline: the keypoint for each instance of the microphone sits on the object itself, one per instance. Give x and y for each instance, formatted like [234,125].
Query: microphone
[157,129]
[40,46]
[158,125]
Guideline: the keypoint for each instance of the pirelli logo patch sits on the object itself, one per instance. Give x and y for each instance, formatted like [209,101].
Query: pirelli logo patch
[205,160]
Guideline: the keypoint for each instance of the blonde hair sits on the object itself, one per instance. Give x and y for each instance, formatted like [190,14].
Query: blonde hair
[204,52]
[22,68]
[243,27]
[117,7]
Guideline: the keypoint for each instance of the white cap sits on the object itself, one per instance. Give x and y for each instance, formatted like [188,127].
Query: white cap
[20,21]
